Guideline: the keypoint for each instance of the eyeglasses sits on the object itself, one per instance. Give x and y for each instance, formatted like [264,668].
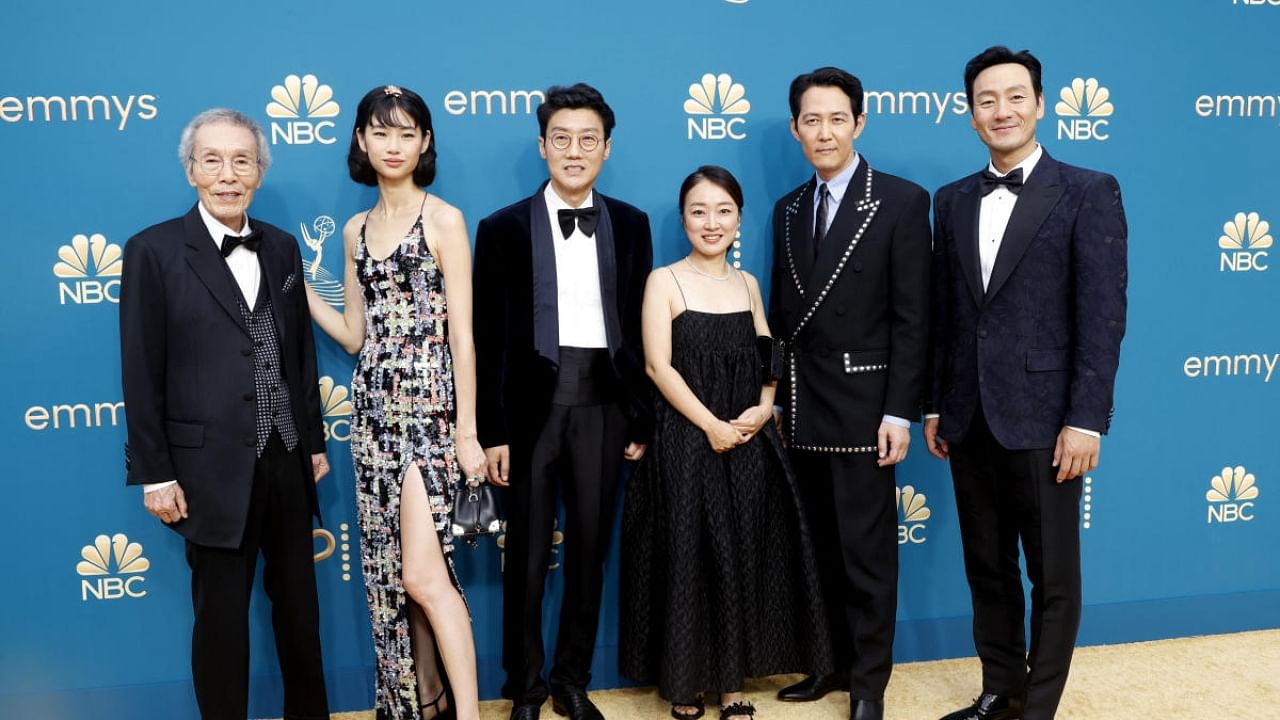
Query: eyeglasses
[241,165]
[562,141]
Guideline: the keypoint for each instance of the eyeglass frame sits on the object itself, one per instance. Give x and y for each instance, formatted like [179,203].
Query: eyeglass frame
[254,168]
[598,141]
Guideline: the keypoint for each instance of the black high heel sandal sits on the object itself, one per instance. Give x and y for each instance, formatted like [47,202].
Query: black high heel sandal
[446,714]
[698,704]
[742,707]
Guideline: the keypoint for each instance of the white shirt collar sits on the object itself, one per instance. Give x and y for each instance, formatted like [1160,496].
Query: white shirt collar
[555,202]
[838,184]
[217,230]
[1028,164]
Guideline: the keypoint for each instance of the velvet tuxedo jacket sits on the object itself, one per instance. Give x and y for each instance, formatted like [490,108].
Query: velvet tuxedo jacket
[1040,346]
[517,325]
[187,362]
[854,319]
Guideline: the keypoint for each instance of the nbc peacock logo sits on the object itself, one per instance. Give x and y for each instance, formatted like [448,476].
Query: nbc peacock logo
[302,107]
[89,270]
[1231,495]
[112,569]
[1084,111]
[717,106]
[335,403]
[912,513]
[1245,241]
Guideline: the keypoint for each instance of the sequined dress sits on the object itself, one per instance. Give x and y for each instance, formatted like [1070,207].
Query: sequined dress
[403,397]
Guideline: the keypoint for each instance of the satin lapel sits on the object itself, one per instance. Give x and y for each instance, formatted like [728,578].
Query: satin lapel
[546,313]
[798,235]
[966,228]
[1038,197]
[607,261]
[270,259]
[204,259]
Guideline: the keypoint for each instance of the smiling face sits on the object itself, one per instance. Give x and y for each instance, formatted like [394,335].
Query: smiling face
[710,218]
[226,194]
[575,149]
[393,150]
[826,128]
[1005,111]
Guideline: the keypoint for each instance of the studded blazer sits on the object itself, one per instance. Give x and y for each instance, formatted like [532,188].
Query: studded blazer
[855,317]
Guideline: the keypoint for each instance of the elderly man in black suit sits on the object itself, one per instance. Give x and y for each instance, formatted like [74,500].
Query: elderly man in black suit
[224,426]
[562,393]
[850,297]
[1030,273]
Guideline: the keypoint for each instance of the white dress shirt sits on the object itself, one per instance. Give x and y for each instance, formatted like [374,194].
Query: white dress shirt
[243,263]
[578,302]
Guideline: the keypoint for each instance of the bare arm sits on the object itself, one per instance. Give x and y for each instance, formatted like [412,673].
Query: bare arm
[449,232]
[346,327]
[755,417]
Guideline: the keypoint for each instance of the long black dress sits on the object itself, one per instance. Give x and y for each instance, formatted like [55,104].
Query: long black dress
[719,581]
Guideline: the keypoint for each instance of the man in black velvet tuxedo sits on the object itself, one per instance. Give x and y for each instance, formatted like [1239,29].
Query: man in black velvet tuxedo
[850,297]
[1029,305]
[562,393]
[224,424]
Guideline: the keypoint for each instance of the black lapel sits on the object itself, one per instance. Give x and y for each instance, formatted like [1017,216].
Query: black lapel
[852,212]
[207,262]
[546,313]
[270,259]
[1038,197]
[968,199]
[607,261]
[798,234]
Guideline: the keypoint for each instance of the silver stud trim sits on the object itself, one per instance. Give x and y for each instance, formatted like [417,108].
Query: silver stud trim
[851,368]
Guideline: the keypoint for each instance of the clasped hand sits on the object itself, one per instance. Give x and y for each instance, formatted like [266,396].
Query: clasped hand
[724,436]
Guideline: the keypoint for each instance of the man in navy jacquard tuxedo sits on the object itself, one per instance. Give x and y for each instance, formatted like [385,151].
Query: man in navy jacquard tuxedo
[1029,276]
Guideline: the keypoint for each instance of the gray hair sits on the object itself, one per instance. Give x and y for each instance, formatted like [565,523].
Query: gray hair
[223,115]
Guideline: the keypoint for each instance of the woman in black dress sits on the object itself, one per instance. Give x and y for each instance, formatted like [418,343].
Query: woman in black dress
[718,577]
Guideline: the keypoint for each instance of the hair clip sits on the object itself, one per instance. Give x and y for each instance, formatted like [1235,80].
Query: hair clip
[391,90]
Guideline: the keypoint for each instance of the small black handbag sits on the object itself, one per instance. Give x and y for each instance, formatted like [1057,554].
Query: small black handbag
[475,512]
[770,351]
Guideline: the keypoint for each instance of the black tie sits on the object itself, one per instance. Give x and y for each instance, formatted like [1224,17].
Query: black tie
[252,241]
[820,224]
[585,218]
[990,181]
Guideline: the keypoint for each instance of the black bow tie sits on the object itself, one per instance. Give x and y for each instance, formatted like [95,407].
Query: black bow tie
[990,181]
[252,241]
[585,218]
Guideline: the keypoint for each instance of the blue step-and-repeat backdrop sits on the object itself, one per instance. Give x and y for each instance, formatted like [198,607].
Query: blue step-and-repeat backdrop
[1180,101]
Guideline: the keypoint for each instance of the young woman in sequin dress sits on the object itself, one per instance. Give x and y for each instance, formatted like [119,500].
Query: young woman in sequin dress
[408,312]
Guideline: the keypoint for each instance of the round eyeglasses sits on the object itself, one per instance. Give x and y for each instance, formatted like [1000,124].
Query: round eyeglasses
[212,165]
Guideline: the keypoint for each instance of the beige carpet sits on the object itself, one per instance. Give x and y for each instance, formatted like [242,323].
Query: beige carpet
[1220,677]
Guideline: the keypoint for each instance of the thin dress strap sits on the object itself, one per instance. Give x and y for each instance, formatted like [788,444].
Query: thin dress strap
[751,303]
[682,297]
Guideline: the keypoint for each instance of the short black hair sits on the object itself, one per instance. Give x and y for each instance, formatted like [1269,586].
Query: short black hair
[389,105]
[1000,55]
[827,77]
[717,176]
[574,97]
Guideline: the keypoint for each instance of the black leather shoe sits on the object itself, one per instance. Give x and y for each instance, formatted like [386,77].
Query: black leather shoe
[814,687]
[576,705]
[867,710]
[525,712]
[989,706]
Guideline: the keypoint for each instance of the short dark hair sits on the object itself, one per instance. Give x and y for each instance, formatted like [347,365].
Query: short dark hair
[389,105]
[717,176]
[1000,55]
[574,97]
[827,77]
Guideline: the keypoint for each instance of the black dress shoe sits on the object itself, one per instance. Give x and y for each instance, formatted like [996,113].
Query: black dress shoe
[576,705]
[989,706]
[867,710]
[814,687]
[525,712]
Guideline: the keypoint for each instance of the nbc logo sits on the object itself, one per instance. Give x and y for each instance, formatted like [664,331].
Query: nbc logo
[1083,111]
[337,410]
[107,561]
[711,99]
[299,102]
[912,512]
[331,544]
[1244,242]
[1230,495]
[90,270]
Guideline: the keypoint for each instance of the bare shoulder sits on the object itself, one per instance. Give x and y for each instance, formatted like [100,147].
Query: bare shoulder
[442,217]
[751,281]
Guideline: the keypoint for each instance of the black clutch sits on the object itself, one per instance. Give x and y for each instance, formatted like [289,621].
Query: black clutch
[475,512]
[770,352]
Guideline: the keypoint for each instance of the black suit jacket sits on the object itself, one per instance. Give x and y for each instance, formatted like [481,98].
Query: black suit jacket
[1040,346]
[187,363]
[515,361]
[854,319]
